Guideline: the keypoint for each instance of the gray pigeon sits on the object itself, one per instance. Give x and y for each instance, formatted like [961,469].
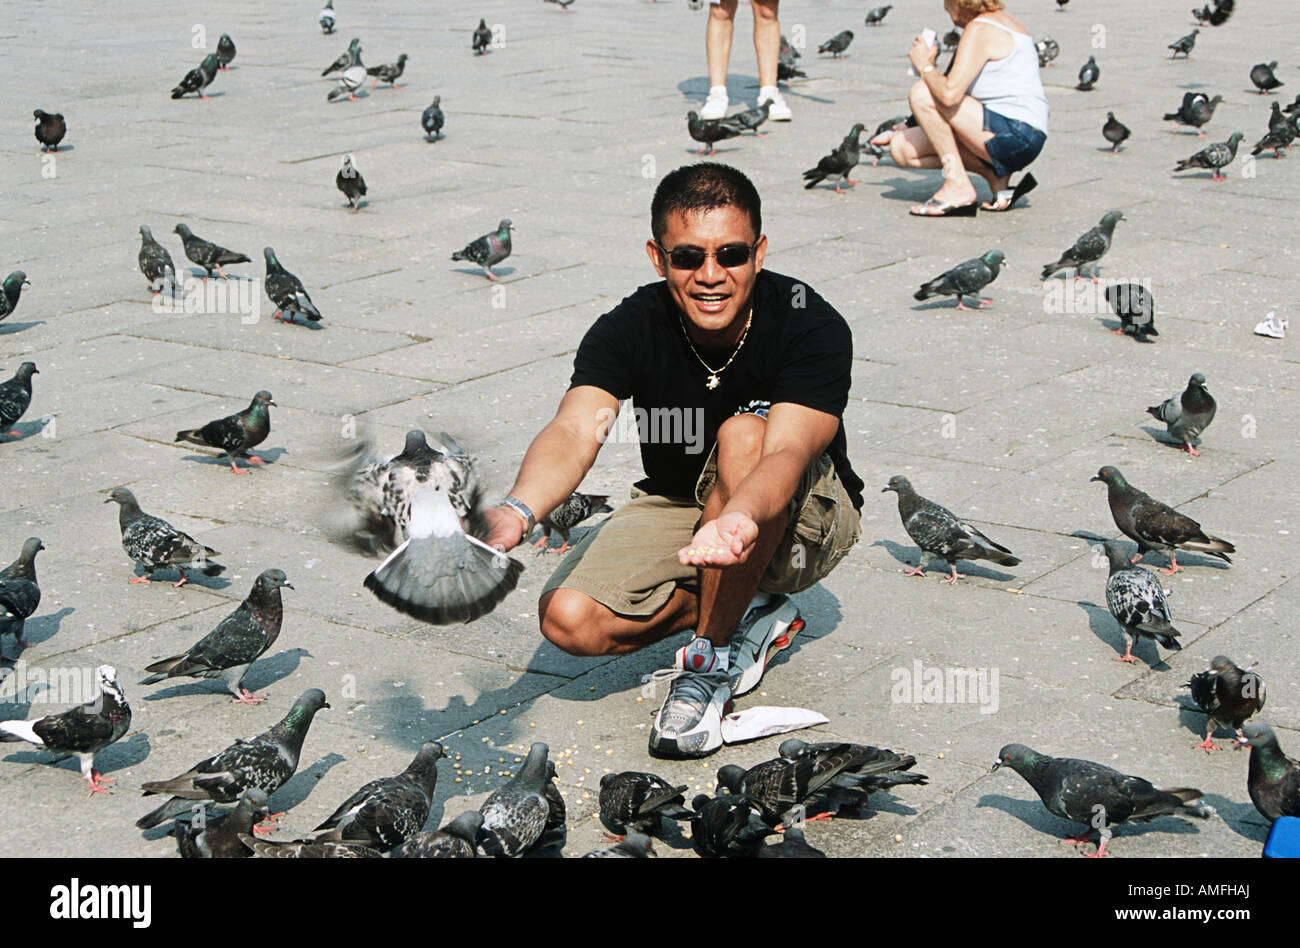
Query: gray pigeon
[84,730]
[10,290]
[388,72]
[350,58]
[482,38]
[19,592]
[1115,132]
[516,815]
[577,508]
[632,846]
[1048,49]
[1216,156]
[1137,602]
[490,249]
[839,163]
[217,836]
[1095,795]
[1228,695]
[1157,526]
[709,131]
[1262,76]
[965,279]
[1273,779]
[1135,307]
[308,849]
[1088,75]
[238,640]
[877,15]
[236,435]
[225,51]
[1184,45]
[326,18]
[751,119]
[50,129]
[1278,138]
[198,78]
[378,491]
[457,840]
[350,182]
[727,826]
[432,120]
[1197,109]
[861,770]
[287,292]
[940,533]
[837,44]
[635,802]
[208,255]
[385,812]
[265,762]
[1088,249]
[1187,415]
[155,262]
[349,81]
[793,845]
[152,542]
[16,397]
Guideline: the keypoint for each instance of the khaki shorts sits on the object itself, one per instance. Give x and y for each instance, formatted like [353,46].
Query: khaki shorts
[629,563]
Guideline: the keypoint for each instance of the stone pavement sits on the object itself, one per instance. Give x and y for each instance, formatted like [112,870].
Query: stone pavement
[1002,415]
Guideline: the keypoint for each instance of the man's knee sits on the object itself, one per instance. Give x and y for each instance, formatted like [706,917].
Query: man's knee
[764,9]
[570,620]
[740,442]
[726,10]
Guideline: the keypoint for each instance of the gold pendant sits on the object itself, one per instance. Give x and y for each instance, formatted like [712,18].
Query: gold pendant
[713,382]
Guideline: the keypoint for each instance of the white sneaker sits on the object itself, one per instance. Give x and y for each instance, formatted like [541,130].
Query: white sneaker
[1272,326]
[779,111]
[715,106]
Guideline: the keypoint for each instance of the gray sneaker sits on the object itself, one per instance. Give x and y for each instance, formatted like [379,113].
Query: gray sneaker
[689,723]
[762,633]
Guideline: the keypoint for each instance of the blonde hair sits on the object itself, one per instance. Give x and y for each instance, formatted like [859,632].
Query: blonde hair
[976,7]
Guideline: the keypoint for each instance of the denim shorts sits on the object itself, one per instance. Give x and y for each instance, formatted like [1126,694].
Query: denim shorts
[1014,145]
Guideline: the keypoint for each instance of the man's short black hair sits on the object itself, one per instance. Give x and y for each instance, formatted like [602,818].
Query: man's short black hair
[704,187]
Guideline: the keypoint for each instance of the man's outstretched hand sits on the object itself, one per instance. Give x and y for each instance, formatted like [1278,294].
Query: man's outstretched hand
[722,542]
[505,528]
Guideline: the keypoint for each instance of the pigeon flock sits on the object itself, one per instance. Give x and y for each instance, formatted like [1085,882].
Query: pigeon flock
[417,513]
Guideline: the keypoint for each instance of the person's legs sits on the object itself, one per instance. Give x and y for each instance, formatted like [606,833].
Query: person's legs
[767,41]
[717,44]
[951,138]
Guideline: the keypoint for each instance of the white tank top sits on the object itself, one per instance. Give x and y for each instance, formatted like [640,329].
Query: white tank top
[1012,86]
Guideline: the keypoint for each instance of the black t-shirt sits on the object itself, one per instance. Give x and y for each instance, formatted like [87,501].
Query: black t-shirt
[799,350]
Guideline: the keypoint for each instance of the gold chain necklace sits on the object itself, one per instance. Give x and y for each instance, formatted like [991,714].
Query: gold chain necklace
[713,380]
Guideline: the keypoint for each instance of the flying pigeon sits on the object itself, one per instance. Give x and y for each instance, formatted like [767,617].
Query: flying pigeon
[793,845]
[709,131]
[84,730]
[1088,249]
[1228,695]
[432,119]
[751,119]
[152,542]
[217,836]
[1278,138]
[577,508]
[19,592]
[1262,76]
[198,78]
[482,38]
[516,815]
[350,182]
[1088,75]
[1184,45]
[206,254]
[236,434]
[265,762]
[1213,157]
[489,250]
[155,262]
[866,769]
[839,163]
[385,812]
[939,533]
[349,81]
[837,43]
[1098,796]
[457,840]
[388,72]
[350,58]
[326,18]
[1135,307]
[240,639]
[1137,602]
[225,51]
[1048,49]
[378,489]
[1156,526]
[16,396]
[50,129]
[287,292]
[1115,132]
[727,826]
[877,15]
[1187,415]
[443,572]
[965,279]
[11,289]
[1273,779]
[633,802]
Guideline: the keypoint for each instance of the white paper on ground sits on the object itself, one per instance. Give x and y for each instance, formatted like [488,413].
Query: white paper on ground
[765,720]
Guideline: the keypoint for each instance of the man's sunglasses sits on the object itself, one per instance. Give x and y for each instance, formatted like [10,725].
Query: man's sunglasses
[692,258]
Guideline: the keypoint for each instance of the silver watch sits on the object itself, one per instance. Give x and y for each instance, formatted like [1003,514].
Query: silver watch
[521,508]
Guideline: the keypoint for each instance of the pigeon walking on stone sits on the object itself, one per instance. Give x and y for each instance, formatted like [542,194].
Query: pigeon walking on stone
[865,770]
[1213,157]
[577,508]
[349,81]
[940,533]
[208,255]
[385,812]
[965,279]
[837,44]
[1273,780]
[1137,602]
[482,38]
[432,120]
[515,815]
[350,182]
[1262,76]
[83,731]
[1088,249]
[1196,110]
[750,119]
[388,72]
[265,762]
[50,129]
[1278,138]
[197,79]
[217,836]
[633,802]
[326,18]
[709,131]
[1188,414]
[490,249]
[1115,132]
[10,290]
[155,262]
[1095,795]
[1184,45]
[236,434]
[839,163]
[240,639]
[225,51]
[727,826]
[153,543]
[1228,695]
[877,15]
[350,58]
[1088,75]
[457,840]
[1048,49]
[443,572]
[19,592]
[287,292]
[1135,307]
[16,397]
[1157,526]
